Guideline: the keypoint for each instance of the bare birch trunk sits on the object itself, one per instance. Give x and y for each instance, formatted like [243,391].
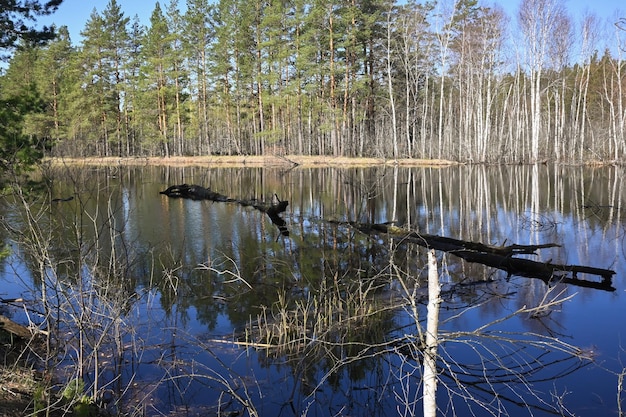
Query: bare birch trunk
[432,328]
[392,103]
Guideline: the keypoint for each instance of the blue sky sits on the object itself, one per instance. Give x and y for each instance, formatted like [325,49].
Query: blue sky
[75,13]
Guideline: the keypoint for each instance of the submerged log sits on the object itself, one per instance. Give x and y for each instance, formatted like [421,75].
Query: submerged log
[197,192]
[501,257]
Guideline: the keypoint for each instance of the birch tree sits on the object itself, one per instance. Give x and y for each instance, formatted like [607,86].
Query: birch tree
[415,70]
[476,62]
[578,112]
[538,20]
[432,338]
[559,54]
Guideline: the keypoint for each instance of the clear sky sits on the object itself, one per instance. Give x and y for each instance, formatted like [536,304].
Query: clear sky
[75,13]
[576,8]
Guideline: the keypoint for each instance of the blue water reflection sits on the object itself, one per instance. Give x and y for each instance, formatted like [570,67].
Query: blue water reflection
[180,355]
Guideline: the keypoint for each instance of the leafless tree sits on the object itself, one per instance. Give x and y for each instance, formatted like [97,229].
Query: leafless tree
[539,23]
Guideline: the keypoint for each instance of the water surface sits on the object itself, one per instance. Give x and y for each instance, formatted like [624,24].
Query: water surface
[179,280]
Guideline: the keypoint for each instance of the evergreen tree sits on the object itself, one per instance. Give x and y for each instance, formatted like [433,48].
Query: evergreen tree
[19,99]
[158,96]
[275,69]
[132,70]
[234,62]
[101,87]
[17,17]
[18,149]
[178,73]
[52,72]
[116,46]
[198,36]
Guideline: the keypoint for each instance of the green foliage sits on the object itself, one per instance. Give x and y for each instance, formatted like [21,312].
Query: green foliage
[309,76]
[5,251]
[18,151]
[73,393]
[16,18]
[73,389]
[100,84]
[40,399]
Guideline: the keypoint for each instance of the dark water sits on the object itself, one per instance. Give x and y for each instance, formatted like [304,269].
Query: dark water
[176,281]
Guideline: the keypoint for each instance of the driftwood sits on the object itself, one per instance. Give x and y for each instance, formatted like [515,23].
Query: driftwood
[197,192]
[501,257]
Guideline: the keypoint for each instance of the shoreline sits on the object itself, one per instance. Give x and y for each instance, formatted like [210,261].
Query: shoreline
[286,161]
[250,161]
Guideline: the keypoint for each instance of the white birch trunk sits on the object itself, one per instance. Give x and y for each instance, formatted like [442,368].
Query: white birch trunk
[432,326]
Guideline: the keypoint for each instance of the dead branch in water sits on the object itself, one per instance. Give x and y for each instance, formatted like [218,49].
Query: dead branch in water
[501,257]
[273,209]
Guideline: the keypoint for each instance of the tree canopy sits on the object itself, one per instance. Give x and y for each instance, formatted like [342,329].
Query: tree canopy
[20,101]
[17,18]
[448,79]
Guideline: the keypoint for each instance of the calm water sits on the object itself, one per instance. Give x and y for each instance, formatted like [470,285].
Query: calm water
[182,279]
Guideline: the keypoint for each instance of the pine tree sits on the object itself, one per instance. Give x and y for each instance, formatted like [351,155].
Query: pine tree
[115,51]
[179,75]
[234,70]
[17,149]
[157,97]
[16,18]
[19,99]
[132,69]
[53,73]
[198,36]
[99,93]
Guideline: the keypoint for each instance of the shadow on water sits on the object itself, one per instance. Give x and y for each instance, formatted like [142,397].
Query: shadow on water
[203,306]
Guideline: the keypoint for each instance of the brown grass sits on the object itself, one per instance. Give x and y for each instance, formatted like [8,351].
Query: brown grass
[17,386]
[16,393]
[252,161]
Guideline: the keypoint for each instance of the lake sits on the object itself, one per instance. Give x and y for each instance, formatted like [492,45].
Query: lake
[171,306]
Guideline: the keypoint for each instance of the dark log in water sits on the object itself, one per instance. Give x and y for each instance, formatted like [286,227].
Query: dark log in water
[501,257]
[197,192]
[194,192]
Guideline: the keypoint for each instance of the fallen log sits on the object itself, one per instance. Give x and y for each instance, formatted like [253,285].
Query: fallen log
[197,192]
[272,210]
[194,192]
[14,328]
[501,257]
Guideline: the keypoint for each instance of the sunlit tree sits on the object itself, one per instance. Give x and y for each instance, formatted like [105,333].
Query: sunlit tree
[17,27]
[17,19]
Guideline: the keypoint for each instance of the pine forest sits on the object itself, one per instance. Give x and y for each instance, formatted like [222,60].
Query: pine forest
[454,80]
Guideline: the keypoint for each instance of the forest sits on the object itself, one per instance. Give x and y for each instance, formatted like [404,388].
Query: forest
[452,80]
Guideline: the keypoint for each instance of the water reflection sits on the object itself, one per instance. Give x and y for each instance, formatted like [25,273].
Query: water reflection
[198,273]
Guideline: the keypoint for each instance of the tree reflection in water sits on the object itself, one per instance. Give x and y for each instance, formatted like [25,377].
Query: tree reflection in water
[227,315]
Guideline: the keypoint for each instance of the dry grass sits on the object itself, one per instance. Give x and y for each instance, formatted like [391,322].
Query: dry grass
[17,386]
[252,161]
[15,395]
